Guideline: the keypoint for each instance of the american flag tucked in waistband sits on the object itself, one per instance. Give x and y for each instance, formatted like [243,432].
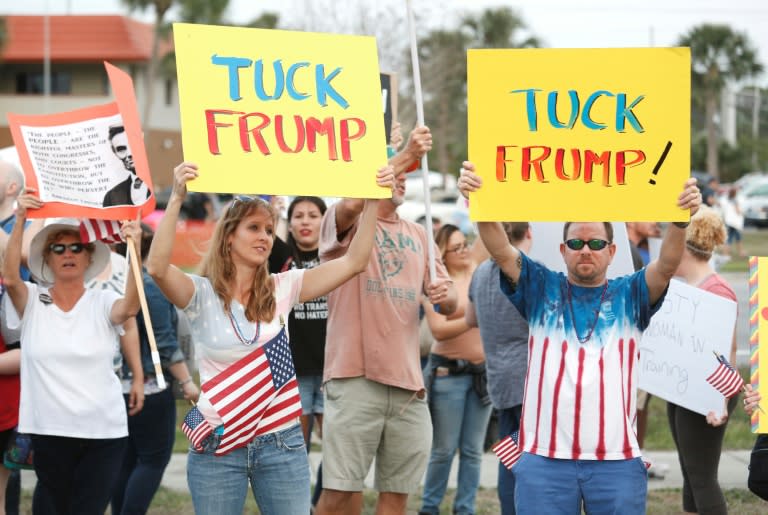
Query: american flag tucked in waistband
[507,450]
[255,394]
[107,231]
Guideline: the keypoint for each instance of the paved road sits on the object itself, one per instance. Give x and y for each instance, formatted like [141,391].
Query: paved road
[733,471]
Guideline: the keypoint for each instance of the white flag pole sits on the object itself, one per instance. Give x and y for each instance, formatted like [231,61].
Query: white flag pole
[420,122]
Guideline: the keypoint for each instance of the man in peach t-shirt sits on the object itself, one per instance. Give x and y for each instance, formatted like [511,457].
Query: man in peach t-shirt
[375,403]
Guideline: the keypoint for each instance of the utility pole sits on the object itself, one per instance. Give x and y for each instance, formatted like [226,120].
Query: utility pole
[755,126]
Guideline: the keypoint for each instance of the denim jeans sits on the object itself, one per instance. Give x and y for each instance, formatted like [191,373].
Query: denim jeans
[559,486]
[77,475]
[275,464]
[459,421]
[13,493]
[509,422]
[151,433]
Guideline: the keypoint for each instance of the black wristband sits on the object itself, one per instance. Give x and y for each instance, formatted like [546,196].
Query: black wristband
[682,225]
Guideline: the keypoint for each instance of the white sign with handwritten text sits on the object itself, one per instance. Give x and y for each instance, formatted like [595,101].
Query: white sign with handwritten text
[676,351]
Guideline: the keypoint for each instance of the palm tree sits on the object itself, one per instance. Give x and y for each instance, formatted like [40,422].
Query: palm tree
[497,28]
[161,8]
[442,54]
[444,72]
[210,12]
[719,55]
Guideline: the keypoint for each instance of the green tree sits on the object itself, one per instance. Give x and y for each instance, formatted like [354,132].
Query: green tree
[719,55]
[442,57]
[444,91]
[265,21]
[210,12]
[497,28]
[160,8]
[3,32]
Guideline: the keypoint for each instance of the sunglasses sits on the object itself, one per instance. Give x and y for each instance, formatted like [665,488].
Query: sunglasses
[245,199]
[60,248]
[458,248]
[593,244]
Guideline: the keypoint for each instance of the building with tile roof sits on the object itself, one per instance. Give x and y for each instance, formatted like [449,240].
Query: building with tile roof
[79,44]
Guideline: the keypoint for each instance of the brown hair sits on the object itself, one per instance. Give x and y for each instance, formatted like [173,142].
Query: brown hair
[607,225]
[705,232]
[516,231]
[218,267]
[442,237]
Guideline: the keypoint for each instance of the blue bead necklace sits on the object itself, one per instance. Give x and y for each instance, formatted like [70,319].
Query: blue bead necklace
[239,332]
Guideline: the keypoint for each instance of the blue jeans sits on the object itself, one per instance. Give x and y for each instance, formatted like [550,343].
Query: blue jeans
[509,422]
[151,433]
[13,493]
[275,464]
[555,486]
[311,393]
[459,421]
[76,475]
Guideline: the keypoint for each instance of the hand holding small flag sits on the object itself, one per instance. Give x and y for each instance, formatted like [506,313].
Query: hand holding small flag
[726,379]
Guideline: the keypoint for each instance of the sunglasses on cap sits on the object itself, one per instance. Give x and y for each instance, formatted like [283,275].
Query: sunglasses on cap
[60,248]
[593,244]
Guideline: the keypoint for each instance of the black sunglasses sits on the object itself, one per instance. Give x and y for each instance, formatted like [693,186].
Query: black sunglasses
[60,248]
[593,244]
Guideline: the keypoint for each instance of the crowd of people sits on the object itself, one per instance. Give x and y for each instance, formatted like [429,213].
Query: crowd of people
[319,331]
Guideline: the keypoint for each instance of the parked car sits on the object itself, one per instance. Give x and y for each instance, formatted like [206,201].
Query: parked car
[414,185]
[754,203]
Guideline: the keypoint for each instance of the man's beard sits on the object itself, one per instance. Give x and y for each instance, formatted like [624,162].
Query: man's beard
[397,199]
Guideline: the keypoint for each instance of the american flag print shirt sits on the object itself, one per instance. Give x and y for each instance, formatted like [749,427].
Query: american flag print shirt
[580,396]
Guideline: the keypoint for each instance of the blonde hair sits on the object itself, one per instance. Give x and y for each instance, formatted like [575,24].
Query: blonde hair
[218,267]
[705,232]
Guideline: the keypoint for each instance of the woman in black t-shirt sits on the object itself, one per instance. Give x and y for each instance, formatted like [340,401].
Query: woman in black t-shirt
[307,321]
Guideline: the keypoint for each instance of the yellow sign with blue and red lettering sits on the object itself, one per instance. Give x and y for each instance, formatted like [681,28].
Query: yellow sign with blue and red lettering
[579,134]
[758,338]
[280,112]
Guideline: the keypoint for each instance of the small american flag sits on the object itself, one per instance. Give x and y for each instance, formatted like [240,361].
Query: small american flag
[255,394]
[107,231]
[196,428]
[507,450]
[725,378]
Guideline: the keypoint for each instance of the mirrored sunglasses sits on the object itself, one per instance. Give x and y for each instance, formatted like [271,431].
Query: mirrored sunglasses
[593,244]
[60,248]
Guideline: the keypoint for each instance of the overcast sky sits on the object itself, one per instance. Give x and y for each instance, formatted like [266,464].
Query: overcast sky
[559,23]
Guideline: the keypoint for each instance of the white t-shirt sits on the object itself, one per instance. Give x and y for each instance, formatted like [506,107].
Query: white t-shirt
[217,345]
[68,387]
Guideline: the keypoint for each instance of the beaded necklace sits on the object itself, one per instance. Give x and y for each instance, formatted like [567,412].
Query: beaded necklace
[597,313]
[239,332]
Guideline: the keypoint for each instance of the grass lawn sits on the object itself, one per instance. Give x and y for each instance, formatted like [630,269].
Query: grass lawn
[738,434]
[755,243]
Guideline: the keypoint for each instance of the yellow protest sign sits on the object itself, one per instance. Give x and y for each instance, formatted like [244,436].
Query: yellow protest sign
[579,134]
[758,337]
[280,112]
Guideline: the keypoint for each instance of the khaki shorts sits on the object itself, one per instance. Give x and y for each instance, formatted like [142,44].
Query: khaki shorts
[365,420]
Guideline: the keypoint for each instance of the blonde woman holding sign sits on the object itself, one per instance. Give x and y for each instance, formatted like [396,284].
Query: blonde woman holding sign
[699,439]
[245,428]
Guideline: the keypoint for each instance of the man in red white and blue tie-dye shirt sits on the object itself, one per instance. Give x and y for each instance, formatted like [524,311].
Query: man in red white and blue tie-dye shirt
[577,431]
